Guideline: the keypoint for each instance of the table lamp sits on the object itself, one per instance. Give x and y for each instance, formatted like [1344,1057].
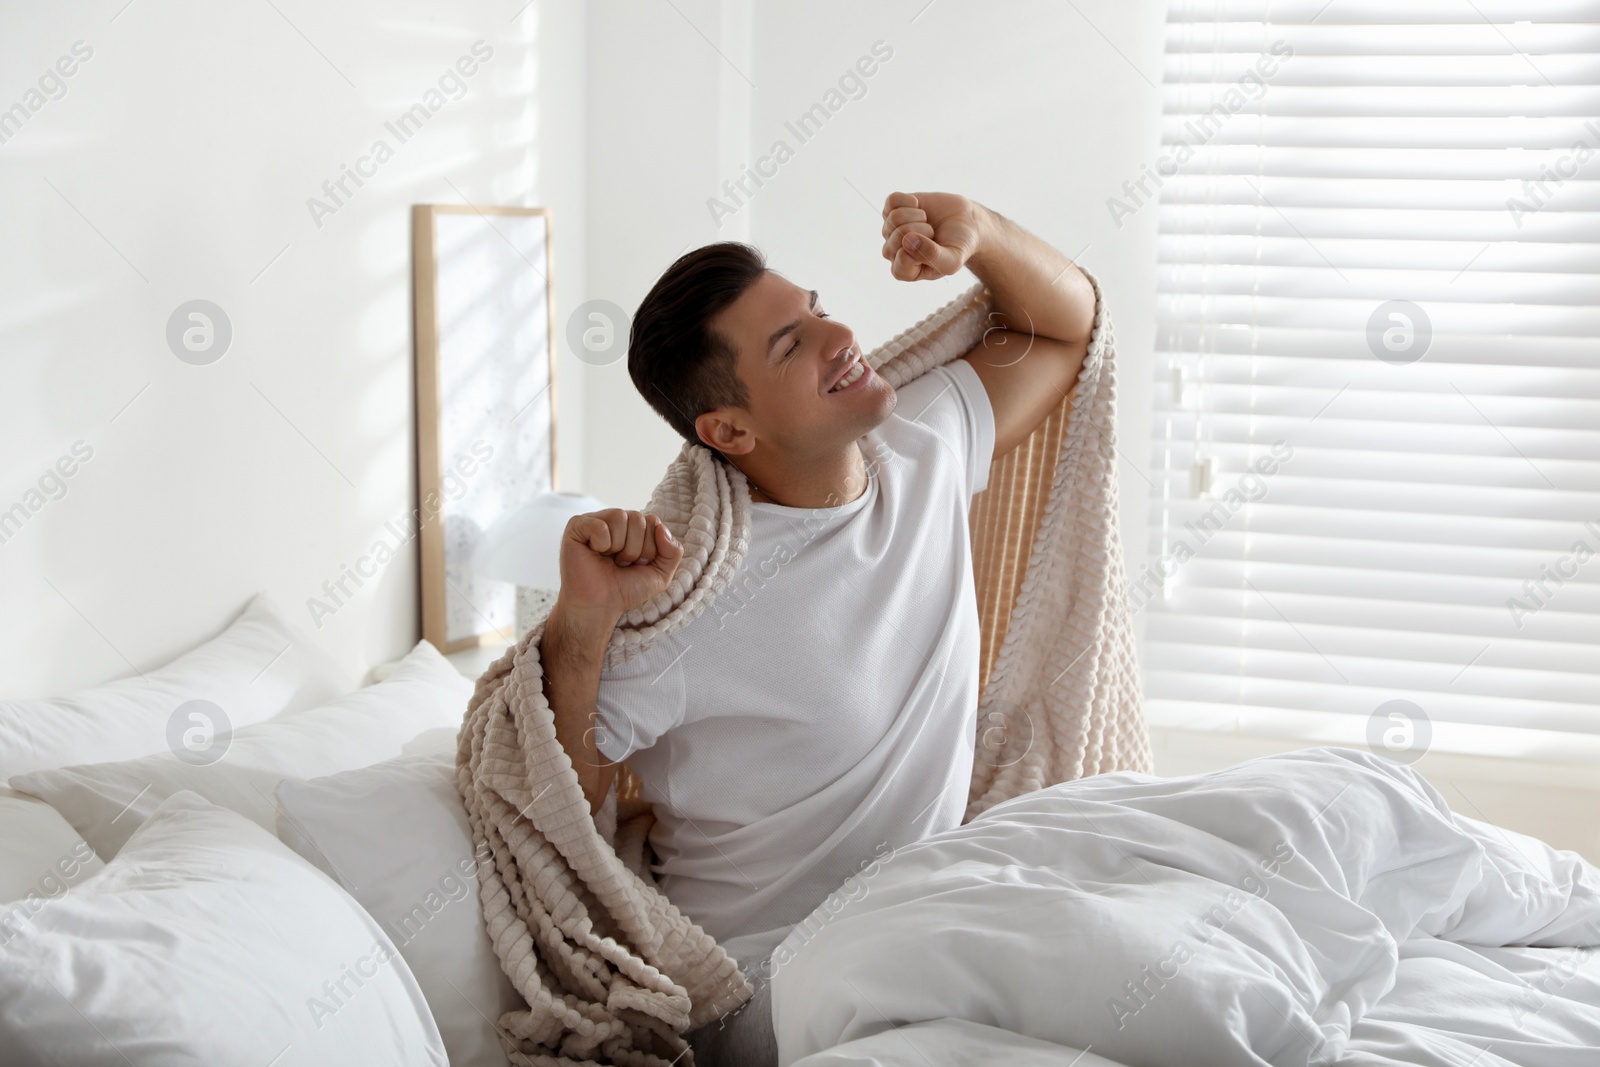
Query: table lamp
[523,547]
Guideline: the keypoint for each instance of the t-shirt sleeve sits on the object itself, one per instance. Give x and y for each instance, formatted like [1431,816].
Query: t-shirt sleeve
[950,399]
[639,701]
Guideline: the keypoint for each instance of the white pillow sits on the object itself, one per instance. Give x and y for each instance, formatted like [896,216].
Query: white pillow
[207,942]
[41,855]
[396,837]
[258,667]
[106,802]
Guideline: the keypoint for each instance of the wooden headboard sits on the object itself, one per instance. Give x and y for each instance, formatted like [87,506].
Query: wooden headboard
[1004,521]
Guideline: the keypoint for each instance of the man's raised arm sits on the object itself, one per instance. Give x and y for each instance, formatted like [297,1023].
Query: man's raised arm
[1043,305]
[611,562]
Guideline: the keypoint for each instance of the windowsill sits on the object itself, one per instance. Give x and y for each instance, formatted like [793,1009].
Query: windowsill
[1495,753]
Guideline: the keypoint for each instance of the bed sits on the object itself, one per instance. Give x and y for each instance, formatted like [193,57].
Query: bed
[244,857]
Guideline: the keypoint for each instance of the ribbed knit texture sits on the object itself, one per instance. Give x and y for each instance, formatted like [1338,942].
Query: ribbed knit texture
[1065,682]
[611,971]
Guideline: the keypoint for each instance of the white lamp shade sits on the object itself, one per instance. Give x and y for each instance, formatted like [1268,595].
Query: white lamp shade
[524,545]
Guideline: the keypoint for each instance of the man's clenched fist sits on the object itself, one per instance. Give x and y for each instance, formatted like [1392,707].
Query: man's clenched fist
[930,235]
[614,560]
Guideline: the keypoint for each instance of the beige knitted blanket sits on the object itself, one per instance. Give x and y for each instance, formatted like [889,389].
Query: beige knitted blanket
[611,971]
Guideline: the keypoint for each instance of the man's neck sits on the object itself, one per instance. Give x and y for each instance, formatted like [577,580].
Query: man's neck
[815,482]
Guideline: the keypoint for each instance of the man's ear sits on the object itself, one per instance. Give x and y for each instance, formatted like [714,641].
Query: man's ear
[723,431]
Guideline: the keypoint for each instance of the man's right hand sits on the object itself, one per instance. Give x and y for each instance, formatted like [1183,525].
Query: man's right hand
[612,561]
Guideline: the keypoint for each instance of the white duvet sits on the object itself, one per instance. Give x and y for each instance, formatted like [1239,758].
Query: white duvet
[1319,907]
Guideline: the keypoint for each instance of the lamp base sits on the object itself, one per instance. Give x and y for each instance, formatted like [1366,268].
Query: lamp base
[532,605]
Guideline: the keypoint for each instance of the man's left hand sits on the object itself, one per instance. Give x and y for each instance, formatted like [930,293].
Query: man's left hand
[929,235]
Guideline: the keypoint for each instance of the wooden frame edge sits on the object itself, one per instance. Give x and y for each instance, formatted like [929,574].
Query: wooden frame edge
[429,408]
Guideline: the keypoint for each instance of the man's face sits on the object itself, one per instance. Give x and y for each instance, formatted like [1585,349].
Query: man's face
[790,354]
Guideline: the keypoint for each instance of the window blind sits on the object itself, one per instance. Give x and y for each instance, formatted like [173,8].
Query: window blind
[1376,454]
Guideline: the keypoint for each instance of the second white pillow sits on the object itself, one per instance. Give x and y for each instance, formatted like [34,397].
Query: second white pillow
[106,802]
[395,835]
[260,666]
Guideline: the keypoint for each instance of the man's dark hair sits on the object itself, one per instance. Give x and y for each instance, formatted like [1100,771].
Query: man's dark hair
[680,365]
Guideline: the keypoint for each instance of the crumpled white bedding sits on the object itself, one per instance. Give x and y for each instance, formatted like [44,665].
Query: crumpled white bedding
[1318,907]
[951,1043]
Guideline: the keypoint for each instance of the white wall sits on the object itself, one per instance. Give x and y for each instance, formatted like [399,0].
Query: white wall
[177,165]
[663,117]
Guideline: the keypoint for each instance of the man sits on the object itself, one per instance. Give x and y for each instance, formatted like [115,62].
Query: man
[823,709]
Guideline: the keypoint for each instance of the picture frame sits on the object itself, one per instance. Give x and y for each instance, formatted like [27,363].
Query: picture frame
[485,402]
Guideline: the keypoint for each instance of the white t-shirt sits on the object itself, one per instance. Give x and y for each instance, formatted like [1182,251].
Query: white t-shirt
[824,707]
